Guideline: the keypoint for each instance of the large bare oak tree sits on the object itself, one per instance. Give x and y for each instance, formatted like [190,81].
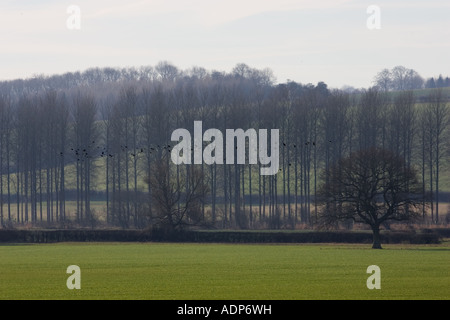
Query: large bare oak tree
[370,186]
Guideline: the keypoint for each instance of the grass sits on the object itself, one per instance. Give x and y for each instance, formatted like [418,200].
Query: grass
[222,271]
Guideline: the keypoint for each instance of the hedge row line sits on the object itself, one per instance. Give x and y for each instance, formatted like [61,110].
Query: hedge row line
[316,237]
[158,235]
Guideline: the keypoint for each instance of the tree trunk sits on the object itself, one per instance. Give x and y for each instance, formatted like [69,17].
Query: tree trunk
[376,237]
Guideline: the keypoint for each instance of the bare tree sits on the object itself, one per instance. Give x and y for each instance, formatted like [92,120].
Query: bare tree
[399,78]
[84,136]
[155,129]
[26,157]
[370,186]
[370,119]
[6,145]
[177,205]
[437,115]
[383,80]
[405,79]
[127,126]
[167,71]
[401,129]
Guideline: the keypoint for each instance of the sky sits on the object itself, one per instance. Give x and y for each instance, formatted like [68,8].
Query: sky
[306,41]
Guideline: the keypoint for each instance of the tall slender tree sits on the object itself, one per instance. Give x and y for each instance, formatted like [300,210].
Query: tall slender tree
[85,134]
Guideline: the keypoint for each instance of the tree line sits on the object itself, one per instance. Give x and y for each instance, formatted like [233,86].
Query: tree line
[106,135]
[401,78]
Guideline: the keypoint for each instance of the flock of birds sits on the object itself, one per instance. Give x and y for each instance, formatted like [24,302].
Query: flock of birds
[92,151]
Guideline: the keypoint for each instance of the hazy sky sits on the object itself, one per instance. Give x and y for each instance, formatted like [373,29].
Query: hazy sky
[302,40]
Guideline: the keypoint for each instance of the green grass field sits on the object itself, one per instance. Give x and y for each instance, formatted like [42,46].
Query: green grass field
[223,271]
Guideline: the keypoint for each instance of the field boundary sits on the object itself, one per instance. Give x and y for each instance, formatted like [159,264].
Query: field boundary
[424,236]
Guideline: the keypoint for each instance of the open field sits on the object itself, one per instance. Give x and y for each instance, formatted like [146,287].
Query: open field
[223,271]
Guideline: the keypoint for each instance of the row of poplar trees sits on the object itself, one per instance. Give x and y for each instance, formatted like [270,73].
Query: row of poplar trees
[69,140]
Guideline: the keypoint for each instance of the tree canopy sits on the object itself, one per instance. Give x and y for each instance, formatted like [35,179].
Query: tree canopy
[370,186]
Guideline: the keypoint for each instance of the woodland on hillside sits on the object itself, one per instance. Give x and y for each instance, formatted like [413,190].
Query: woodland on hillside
[105,135]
